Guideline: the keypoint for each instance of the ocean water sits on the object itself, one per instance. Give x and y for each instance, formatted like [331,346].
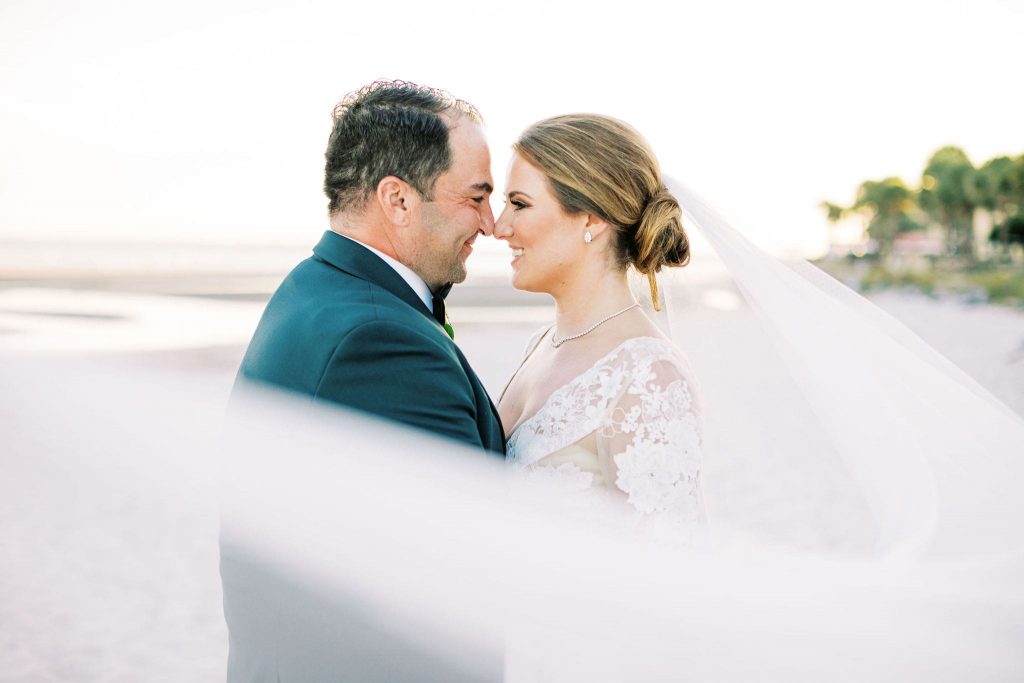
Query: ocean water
[33,259]
[71,299]
[116,298]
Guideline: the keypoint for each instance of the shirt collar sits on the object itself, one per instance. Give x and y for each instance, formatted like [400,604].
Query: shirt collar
[406,273]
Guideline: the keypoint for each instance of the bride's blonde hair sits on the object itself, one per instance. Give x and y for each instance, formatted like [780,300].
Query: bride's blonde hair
[602,166]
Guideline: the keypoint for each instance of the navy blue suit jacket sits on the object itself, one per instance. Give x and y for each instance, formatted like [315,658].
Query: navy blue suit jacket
[345,327]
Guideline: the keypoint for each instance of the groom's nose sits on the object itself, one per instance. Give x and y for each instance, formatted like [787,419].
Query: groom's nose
[486,218]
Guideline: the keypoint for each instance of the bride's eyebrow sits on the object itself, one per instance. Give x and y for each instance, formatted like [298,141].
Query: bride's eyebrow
[515,192]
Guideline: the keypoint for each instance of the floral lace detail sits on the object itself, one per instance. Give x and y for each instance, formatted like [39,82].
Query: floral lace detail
[660,463]
[638,404]
[573,411]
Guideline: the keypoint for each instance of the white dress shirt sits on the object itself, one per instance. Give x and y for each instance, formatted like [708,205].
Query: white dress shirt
[406,273]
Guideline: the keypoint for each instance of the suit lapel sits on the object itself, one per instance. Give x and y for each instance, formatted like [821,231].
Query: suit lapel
[353,258]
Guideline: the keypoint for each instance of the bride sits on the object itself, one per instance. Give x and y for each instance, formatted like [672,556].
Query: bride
[905,465]
[603,401]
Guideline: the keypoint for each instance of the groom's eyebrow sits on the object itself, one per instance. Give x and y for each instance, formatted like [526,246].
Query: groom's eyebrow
[483,187]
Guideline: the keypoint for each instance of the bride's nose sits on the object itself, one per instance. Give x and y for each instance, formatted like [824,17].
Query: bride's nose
[503,226]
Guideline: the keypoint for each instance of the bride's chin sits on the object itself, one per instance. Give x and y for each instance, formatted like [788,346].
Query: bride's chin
[523,284]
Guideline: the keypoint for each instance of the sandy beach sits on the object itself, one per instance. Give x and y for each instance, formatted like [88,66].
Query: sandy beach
[103,584]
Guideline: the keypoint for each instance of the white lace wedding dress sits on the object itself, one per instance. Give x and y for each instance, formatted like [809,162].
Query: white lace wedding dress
[621,442]
[617,447]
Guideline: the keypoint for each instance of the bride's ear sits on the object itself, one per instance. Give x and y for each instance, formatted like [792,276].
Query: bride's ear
[595,226]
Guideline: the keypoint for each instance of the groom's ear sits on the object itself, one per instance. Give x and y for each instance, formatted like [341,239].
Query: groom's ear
[396,199]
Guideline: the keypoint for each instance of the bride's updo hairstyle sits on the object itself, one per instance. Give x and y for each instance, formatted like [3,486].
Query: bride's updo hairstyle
[602,166]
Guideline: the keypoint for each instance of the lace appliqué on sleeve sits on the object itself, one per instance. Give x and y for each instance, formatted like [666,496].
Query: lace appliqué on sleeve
[652,436]
[635,413]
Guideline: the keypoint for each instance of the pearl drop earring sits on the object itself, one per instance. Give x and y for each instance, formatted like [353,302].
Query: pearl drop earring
[587,237]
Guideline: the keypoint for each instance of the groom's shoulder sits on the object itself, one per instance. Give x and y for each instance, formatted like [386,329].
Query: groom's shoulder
[330,300]
[318,281]
[320,314]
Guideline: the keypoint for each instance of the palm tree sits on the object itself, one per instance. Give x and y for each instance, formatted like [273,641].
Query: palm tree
[948,195]
[888,206]
[995,191]
[833,214]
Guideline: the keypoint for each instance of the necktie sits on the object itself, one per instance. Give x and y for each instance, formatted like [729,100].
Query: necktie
[439,314]
[439,308]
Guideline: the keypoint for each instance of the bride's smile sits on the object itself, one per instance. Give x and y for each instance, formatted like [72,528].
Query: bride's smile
[533,222]
[600,401]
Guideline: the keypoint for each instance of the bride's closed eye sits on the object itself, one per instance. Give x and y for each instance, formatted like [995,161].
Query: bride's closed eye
[516,203]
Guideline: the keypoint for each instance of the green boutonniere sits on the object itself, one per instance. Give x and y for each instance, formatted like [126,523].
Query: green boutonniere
[449,329]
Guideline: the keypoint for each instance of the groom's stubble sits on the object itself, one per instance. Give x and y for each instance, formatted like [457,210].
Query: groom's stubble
[457,213]
[441,256]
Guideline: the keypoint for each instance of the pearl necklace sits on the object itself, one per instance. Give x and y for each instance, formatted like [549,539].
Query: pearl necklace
[593,327]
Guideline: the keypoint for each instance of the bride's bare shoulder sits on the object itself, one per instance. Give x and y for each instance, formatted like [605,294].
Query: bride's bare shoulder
[535,339]
[637,332]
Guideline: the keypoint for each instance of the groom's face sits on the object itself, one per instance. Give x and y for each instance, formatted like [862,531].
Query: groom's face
[459,211]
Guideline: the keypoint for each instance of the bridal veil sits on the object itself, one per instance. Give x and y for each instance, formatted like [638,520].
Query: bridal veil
[871,529]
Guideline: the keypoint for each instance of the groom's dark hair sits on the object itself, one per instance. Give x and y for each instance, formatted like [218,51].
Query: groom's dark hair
[389,128]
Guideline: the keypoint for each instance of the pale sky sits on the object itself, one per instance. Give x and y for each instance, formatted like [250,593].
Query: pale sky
[206,121]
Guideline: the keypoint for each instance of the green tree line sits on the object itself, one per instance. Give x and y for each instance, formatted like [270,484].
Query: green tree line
[949,196]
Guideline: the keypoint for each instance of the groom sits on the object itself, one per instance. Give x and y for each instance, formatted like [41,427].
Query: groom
[361,323]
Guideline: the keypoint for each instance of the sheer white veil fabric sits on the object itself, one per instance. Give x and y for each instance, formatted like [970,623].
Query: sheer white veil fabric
[936,458]
[901,559]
